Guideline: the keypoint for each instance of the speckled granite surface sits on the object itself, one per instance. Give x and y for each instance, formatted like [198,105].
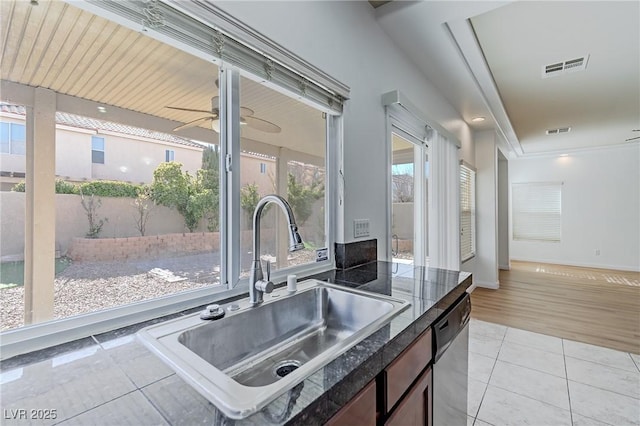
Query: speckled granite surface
[112,379]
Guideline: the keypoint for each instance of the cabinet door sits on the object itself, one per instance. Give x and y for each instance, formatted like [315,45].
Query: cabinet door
[405,368]
[416,408]
[361,410]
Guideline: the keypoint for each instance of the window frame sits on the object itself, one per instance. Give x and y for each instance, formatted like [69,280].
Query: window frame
[12,141]
[169,155]
[230,227]
[57,331]
[95,138]
[471,171]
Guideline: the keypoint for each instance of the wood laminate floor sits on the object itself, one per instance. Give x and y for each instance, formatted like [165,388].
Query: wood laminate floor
[595,306]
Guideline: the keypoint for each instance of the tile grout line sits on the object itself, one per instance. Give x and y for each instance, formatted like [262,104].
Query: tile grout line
[533,369]
[634,361]
[97,406]
[566,377]
[607,365]
[151,402]
[490,374]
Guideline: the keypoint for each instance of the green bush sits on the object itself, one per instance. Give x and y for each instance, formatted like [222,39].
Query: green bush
[301,197]
[19,187]
[99,188]
[107,188]
[187,194]
[62,187]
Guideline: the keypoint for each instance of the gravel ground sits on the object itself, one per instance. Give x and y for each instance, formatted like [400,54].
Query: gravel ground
[93,286]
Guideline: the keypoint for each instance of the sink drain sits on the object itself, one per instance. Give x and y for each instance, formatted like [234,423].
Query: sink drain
[285,367]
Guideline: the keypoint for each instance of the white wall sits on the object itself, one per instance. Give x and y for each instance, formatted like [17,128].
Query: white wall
[600,207]
[485,266]
[344,40]
[503,212]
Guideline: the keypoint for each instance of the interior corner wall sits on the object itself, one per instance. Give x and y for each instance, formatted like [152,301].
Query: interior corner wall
[600,208]
[343,39]
[504,261]
[485,265]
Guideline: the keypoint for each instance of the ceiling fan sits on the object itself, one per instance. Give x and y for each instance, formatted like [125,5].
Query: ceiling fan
[246,118]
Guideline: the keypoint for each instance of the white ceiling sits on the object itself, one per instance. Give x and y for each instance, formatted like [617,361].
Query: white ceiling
[487,59]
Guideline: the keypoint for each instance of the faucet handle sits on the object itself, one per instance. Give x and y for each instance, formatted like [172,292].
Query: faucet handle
[264,286]
[268,268]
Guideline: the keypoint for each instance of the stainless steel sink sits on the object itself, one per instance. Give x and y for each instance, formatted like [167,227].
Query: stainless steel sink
[248,358]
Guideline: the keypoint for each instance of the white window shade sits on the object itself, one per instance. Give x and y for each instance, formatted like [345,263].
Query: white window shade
[537,211]
[467,213]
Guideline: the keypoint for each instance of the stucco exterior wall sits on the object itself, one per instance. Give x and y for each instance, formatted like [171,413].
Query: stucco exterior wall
[127,158]
[134,160]
[73,154]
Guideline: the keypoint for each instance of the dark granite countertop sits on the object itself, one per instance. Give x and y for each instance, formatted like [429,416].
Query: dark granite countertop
[112,379]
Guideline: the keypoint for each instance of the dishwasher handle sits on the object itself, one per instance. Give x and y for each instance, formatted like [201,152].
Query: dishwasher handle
[448,328]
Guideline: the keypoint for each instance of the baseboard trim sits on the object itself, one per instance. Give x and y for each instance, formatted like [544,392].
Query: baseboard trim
[471,288]
[580,264]
[487,284]
[504,267]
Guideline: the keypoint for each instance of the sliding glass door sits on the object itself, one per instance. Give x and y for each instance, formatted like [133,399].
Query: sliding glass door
[408,198]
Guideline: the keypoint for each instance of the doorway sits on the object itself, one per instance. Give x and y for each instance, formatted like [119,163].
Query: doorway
[408,199]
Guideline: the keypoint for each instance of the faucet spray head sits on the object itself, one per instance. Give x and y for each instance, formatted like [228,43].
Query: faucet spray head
[295,240]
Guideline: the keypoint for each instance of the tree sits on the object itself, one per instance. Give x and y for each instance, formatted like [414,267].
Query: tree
[91,206]
[249,198]
[174,189]
[209,178]
[143,206]
[301,197]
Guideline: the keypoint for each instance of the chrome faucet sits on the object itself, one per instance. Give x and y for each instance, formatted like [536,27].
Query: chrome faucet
[258,285]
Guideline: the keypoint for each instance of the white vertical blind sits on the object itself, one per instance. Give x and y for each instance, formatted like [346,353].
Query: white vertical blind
[537,211]
[444,203]
[467,213]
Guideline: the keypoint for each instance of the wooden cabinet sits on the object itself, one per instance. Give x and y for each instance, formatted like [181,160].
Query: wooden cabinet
[403,395]
[361,410]
[404,370]
[416,408]
[408,383]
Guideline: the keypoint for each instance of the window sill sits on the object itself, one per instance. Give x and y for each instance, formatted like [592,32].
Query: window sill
[56,332]
[473,256]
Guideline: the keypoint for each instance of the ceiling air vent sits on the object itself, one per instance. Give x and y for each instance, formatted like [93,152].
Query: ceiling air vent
[559,68]
[558,130]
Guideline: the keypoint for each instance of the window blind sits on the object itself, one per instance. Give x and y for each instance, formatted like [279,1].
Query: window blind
[537,211]
[467,213]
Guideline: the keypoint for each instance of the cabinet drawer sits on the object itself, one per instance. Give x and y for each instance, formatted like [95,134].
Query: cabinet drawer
[406,368]
[361,410]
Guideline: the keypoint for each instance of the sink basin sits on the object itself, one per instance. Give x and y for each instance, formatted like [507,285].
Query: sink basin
[248,358]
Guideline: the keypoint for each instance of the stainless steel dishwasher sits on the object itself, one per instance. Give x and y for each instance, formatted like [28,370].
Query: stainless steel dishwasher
[451,365]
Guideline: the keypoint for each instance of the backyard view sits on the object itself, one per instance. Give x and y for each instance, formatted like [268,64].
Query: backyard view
[130,133]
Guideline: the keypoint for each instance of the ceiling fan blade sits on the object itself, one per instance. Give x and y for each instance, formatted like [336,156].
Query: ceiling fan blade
[193,123]
[262,125]
[204,111]
[245,112]
[215,105]
[632,139]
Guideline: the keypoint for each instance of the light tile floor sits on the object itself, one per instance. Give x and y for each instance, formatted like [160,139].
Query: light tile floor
[517,377]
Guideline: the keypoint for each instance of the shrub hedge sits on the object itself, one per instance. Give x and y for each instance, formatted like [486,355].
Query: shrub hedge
[99,188]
